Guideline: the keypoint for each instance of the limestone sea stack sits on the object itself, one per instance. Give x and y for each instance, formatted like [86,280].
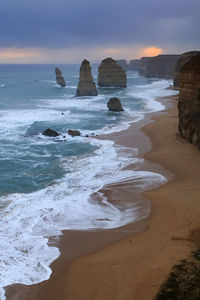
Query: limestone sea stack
[59,78]
[189,101]
[86,85]
[111,74]
[185,57]
[114,104]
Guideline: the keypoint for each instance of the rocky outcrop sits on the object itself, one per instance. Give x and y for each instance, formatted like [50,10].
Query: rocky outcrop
[111,74]
[114,104]
[185,57]
[74,132]
[161,66]
[133,64]
[86,85]
[189,101]
[122,63]
[59,78]
[50,132]
[142,66]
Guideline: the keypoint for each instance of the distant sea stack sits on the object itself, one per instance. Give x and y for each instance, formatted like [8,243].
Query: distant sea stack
[123,64]
[133,64]
[86,85]
[161,66]
[111,74]
[185,57]
[59,78]
[189,101]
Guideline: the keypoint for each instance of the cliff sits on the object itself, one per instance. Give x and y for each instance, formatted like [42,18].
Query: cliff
[133,64]
[111,74]
[142,65]
[189,101]
[86,85]
[161,66]
[185,57]
[59,78]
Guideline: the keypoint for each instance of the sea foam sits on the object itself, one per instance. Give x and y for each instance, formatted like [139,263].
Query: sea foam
[28,220]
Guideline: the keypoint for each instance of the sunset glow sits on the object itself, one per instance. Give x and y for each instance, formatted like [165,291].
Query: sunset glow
[15,53]
[151,51]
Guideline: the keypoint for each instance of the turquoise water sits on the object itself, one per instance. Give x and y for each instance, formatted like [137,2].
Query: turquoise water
[32,102]
[46,183]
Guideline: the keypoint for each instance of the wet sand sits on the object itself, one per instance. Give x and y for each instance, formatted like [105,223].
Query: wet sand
[131,262]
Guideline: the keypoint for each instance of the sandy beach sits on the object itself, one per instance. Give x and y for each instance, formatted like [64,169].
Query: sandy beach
[133,261]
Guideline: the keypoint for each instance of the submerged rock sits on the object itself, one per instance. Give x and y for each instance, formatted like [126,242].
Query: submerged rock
[74,132]
[185,57]
[59,78]
[50,132]
[111,74]
[114,104]
[86,85]
[189,101]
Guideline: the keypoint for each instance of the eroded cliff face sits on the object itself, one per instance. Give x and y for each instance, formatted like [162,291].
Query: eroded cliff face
[111,74]
[185,57]
[161,66]
[133,64]
[143,65]
[86,85]
[189,101]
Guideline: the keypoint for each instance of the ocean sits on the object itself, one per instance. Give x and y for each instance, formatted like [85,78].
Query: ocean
[46,183]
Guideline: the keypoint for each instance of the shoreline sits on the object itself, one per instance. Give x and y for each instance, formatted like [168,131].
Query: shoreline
[75,243]
[121,270]
[115,239]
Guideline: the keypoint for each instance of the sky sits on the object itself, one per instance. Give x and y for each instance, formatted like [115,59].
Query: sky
[66,31]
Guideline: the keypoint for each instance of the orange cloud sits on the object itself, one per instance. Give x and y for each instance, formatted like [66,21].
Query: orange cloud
[151,51]
[74,55]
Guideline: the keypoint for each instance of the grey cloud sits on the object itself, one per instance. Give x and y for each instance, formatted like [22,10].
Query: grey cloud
[69,23]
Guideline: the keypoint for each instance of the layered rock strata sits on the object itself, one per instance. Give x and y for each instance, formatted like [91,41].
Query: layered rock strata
[189,101]
[111,74]
[185,57]
[161,66]
[86,85]
[59,78]
[114,104]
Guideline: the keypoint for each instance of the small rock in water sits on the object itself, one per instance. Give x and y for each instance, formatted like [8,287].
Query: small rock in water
[50,132]
[114,104]
[74,132]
